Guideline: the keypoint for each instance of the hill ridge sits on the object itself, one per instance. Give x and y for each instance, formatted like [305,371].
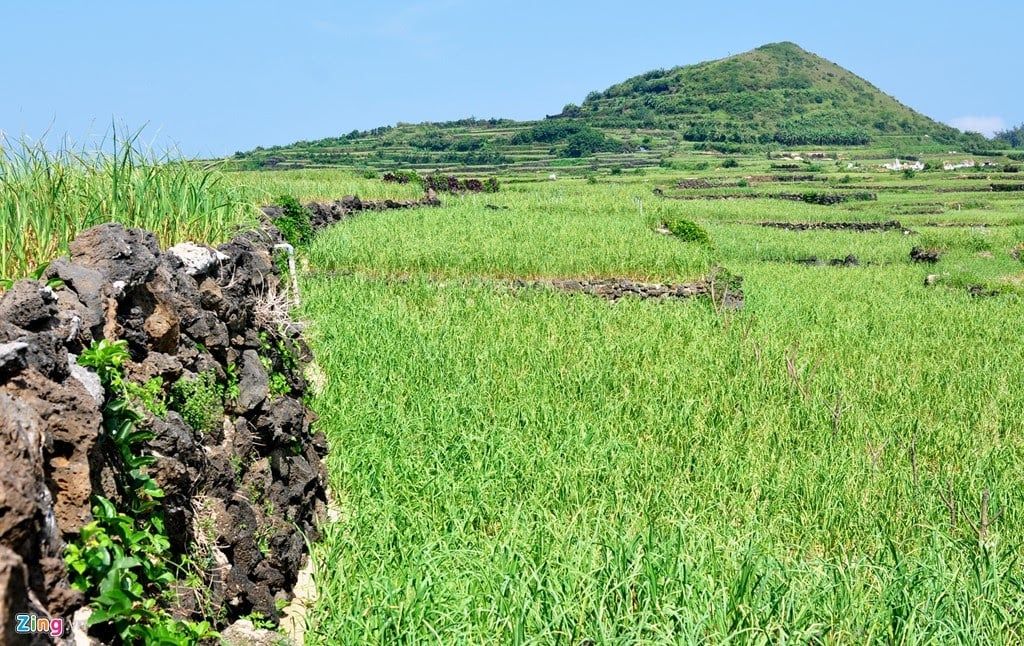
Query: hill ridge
[777,94]
[778,91]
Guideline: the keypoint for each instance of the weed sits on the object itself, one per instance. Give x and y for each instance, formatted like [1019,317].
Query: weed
[199,401]
[293,223]
[122,561]
[687,230]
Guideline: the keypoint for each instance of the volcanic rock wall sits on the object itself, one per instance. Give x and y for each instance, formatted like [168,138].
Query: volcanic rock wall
[246,490]
[243,495]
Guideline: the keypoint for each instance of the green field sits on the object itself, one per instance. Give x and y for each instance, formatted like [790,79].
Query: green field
[838,461]
[528,466]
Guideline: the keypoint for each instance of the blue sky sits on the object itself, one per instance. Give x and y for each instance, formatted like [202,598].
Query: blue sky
[216,77]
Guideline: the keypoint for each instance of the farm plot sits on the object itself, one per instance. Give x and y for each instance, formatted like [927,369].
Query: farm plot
[836,461]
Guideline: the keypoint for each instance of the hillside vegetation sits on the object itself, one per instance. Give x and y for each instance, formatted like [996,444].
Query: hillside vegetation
[777,92]
[776,95]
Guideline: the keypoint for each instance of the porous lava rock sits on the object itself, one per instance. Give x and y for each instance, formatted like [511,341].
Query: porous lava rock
[242,494]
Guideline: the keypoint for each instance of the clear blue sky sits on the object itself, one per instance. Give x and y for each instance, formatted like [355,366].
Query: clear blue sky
[215,77]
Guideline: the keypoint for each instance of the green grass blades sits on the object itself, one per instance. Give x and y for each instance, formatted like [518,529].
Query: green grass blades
[48,197]
[533,467]
[549,229]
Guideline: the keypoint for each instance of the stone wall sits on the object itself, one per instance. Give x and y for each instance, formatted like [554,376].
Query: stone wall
[246,492]
[241,497]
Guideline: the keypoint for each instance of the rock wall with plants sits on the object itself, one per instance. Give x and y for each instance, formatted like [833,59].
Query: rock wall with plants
[157,460]
[160,475]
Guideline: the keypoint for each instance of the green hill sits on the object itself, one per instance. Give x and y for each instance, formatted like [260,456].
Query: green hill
[777,92]
[775,95]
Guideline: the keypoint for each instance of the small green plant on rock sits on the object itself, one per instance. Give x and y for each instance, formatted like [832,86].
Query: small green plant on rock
[232,389]
[200,401]
[293,223]
[273,346]
[35,274]
[149,395]
[121,561]
[279,385]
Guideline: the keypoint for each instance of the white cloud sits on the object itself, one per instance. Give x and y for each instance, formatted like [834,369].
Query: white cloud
[985,125]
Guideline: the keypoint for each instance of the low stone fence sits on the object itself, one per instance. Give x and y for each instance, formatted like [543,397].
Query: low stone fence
[217,368]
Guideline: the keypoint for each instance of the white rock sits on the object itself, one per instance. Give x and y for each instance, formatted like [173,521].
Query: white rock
[243,633]
[80,629]
[197,259]
[87,378]
[9,352]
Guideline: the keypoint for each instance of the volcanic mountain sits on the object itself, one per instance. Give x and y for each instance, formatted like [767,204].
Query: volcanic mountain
[777,94]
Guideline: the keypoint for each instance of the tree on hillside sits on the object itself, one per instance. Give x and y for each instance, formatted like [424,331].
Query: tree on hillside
[1014,136]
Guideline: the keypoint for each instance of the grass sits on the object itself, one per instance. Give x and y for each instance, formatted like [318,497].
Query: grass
[536,230]
[527,466]
[48,197]
[534,467]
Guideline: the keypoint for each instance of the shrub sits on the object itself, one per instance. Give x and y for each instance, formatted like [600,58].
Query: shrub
[491,185]
[616,170]
[586,142]
[199,401]
[687,230]
[1012,136]
[403,177]
[293,223]
[730,163]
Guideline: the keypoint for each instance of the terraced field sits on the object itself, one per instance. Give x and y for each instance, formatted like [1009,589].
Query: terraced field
[835,459]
